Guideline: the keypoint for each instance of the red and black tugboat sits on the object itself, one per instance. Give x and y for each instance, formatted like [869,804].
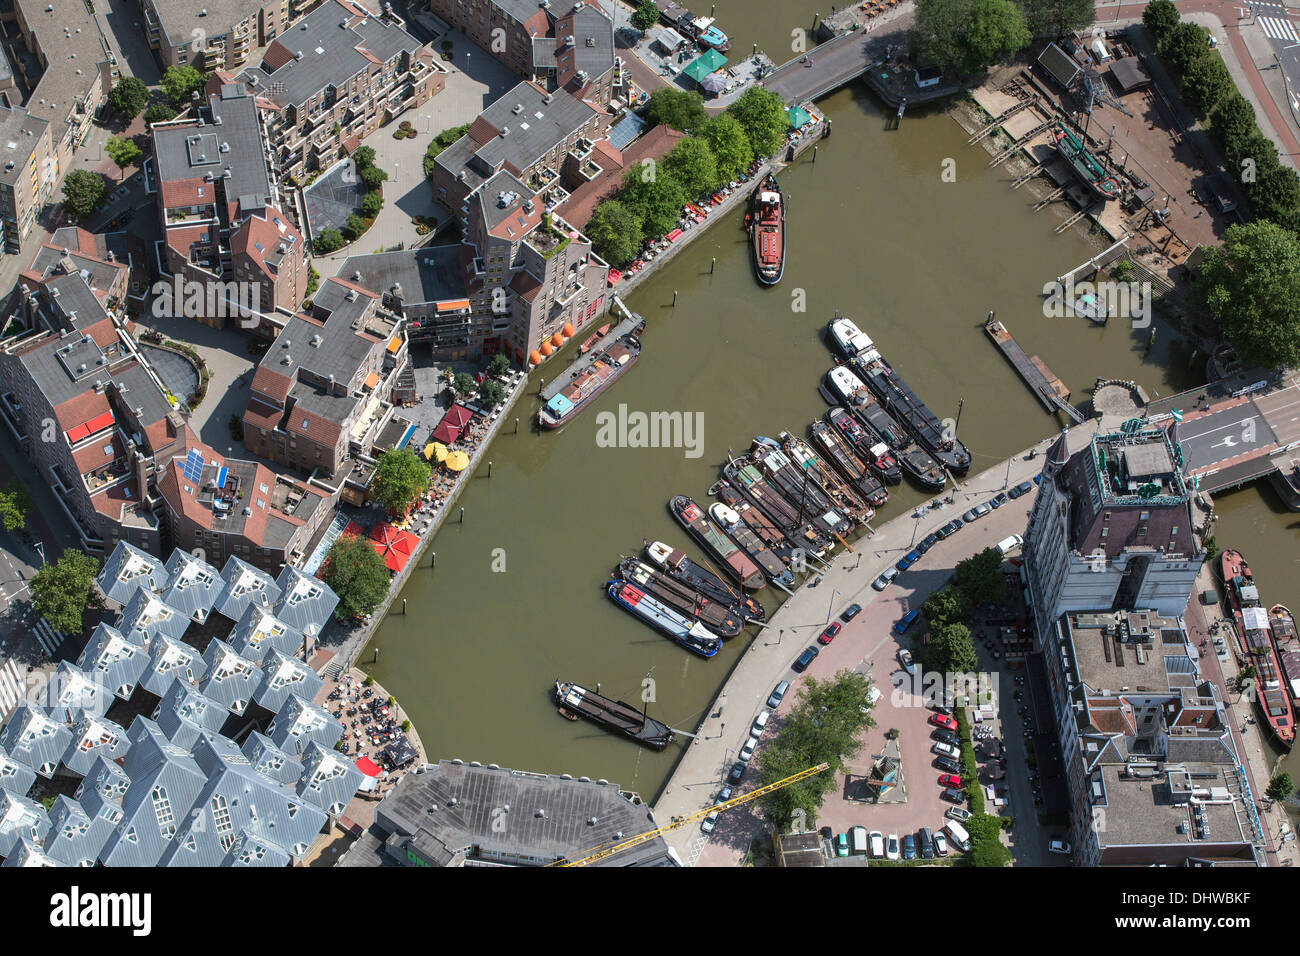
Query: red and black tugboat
[765,223]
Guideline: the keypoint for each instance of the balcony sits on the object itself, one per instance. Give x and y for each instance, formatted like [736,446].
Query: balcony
[192,216]
[107,475]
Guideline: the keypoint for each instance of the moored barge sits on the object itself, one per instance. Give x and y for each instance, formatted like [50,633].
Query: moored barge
[574,700]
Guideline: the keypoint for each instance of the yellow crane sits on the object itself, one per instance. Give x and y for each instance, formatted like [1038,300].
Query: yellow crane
[609,849]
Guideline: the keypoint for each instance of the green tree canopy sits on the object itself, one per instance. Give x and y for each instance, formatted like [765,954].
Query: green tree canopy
[372,176]
[401,476]
[1054,18]
[996,31]
[492,393]
[83,192]
[657,201]
[371,203]
[938,34]
[159,113]
[364,157]
[356,573]
[122,151]
[1275,195]
[950,650]
[129,97]
[499,365]
[1250,285]
[694,165]
[730,146]
[980,578]
[1186,43]
[179,82]
[463,383]
[63,591]
[761,114]
[327,241]
[645,15]
[1160,18]
[948,605]
[1206,84]
[615,231]
[680,109]
[1281,787]
[1231,124]
[354,226]
[15,503]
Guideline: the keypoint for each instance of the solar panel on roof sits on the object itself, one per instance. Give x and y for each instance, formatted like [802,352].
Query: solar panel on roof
[193,467]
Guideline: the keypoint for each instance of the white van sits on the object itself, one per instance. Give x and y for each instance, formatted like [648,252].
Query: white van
[1007,545]
[858,841]
[877,844]
[960,838]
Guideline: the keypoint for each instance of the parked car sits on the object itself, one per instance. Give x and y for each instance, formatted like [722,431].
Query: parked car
[885,579]
[737,771]
[850,612]
[842,845]
[778,694]
[805,658]
[948,764]
[909,846]
[928,542]
[926,842]
[1024,488]
[877,841]
[953,796]
[979,511]
[891,847]
[760,723]
[945,750]
[709,823]
[724,794]
[951,528]
[905,658]
[998,500]
[941,720]
[960,814]
[1009,544]
[941,844]
[829,633]
[907,560]
[941,709]
[1058,846]
[947,736]
[945,780]
[906,621]
[747,751]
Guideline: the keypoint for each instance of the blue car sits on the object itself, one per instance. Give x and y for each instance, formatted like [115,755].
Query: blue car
[903,623]
[907,560]
[1024,488]
[909,847]
[805,659]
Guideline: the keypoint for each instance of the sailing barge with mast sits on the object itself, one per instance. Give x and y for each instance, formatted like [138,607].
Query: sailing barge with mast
[574,701]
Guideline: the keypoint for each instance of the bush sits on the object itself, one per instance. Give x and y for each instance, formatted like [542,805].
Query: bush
[159,113]
[369,681]
[371,203]
[328,241]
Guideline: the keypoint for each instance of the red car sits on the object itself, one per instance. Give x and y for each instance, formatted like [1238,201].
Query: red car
[950,780]
[828,635]
[947,723]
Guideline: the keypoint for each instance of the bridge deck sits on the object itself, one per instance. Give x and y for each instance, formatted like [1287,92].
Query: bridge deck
[834,63]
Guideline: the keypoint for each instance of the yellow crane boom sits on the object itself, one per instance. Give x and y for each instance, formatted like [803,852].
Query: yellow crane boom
[609,849]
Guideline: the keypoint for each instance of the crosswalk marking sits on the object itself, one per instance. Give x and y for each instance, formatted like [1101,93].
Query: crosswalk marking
[1278,29]
[11,689]
[47,636]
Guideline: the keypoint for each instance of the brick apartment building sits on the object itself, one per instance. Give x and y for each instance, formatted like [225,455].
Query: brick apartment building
[28,174]
[216,34]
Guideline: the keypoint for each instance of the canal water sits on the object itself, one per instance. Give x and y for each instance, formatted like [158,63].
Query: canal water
[516,598]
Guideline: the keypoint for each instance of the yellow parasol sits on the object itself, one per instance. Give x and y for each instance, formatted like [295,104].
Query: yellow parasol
[457,461]
[435,451]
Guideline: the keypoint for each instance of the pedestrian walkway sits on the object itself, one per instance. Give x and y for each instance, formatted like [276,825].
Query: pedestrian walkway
[49,639]
[11,689]
[1277,29]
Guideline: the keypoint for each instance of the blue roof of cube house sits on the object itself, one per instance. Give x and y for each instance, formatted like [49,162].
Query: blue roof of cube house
[35,739]
[72,692]
[193,585]
[305,602]
[146,615]
[298,723]
[329,779]
[126,569]
[244,586]
[101,791]
[269,760]
[14,774]
[113,660]
[231,678]
[24,854]
[19,818]
[170,660]
[259,631]
[282,676]
[93,737]
[185,713]
[75,838]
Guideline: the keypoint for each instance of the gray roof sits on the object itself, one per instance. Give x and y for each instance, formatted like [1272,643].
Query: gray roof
[185,714]
[259,632]
[284,675]
[147,616]
[25,854]
[180,21]
[117,662]
[330,39]
[23,130]
[192,585]
[299,723]
[54,257]
[427,274]
[593,41]
[470,801]
[72,693]
[101,791]
[329,779]
[34,739]
[127,568]
[14,774]
[269,760]
[231,142]
[75,302]
[495,209]
[244,585]
[75,838]
[171,659]
[21,818]
[305,602]
[93,737]
[231,679]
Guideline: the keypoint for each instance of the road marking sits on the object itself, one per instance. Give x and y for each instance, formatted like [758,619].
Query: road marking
[11,688]
[1278,29]
[47,636]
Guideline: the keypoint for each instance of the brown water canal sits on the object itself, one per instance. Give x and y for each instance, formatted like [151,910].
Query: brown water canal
[517,599]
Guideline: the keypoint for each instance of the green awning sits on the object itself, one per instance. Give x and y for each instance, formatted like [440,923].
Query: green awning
[797,116]
[703,65]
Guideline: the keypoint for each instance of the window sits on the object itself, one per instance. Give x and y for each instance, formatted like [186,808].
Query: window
[162,808]
[221,816]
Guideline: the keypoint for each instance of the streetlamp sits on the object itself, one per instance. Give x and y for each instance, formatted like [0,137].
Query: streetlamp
[780,634]
[834,593]
[40,549]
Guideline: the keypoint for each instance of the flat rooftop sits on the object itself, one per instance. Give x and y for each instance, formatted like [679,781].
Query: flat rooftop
[72,46]
[1108,657]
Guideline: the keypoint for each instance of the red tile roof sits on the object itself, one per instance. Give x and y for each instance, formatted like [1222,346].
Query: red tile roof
[271,383]
[526,285]
[92,456]
[75,411]
[583,201]
[187,192]
[276,56]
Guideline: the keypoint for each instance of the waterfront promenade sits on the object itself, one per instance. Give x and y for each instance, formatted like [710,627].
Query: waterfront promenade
[698,775]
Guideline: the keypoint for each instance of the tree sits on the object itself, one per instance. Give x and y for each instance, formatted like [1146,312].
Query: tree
[1054,18]
[364,157]
[946,606]
[15,503]
[129,97]
[1249,285]
[937,34]
[179,82]
[1186,43]
[657,201]
[1206,84]
[680,109]
[62,592]
[371,203]
[980,578]
[727,140]
[950,650]
[159,113]
[615,231]
[327,241]
[987,849]
[1281,787]
[373,177]
[354,226]
[1160,18]
[123,152]
[463,383]
[438,144]
[356,573]
[499,365]
[761,114]
[83,192]
[692,162]
[1231,123]
[401,476]
[492,393]
[1275,194]
[996,31]
[645,16]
